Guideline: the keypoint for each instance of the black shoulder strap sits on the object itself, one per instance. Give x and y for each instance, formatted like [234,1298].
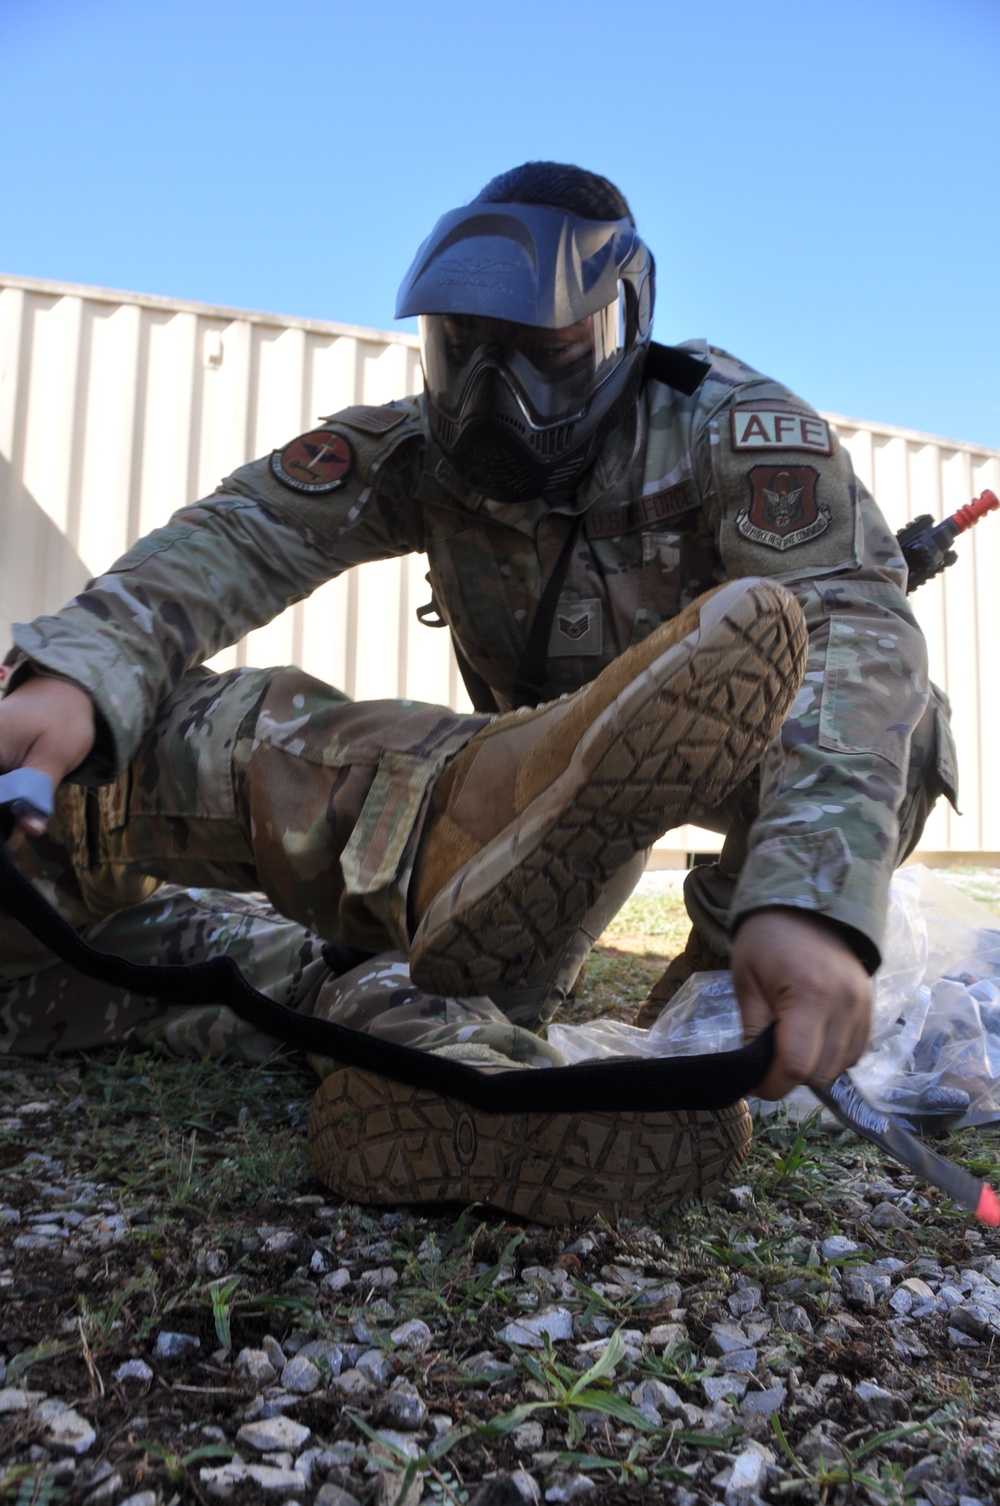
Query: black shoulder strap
[680,370]
[612,1086]
[529,683]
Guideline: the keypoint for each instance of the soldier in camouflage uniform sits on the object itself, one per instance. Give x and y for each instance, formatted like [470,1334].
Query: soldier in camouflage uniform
[371,824]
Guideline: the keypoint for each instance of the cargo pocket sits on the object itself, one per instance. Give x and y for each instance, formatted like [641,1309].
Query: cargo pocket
[861,686]
[108,885]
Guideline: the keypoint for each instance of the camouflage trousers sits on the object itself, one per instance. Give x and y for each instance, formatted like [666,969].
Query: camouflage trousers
[264,816]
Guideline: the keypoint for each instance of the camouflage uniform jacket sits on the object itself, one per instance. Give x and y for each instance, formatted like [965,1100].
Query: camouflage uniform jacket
[741,478]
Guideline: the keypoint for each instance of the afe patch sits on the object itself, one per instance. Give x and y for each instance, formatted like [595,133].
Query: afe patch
[315,462]
[775,428]
[784,508]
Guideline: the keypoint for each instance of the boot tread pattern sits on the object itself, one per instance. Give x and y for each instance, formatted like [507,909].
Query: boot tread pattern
[698,736]
[376,1141]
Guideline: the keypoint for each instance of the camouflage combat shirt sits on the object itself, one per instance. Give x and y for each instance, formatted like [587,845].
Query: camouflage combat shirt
[740,478]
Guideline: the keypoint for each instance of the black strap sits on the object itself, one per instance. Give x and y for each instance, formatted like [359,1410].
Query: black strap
[529,682]
[529,679]
[480,693]
[680,370]
[611,1086]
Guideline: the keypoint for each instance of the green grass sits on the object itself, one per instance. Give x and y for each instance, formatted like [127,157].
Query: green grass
[634,950]
[980,884]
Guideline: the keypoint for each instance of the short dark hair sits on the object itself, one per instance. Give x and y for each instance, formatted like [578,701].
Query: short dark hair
[560,185]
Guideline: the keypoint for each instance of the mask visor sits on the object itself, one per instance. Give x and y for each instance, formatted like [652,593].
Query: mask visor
[554,372]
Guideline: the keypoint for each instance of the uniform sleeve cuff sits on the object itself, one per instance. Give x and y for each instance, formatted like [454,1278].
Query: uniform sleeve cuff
[106,759]
[815,871]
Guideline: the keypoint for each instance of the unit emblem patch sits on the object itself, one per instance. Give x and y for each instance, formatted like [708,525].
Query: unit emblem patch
[784,507]
[315,462]
[763,428]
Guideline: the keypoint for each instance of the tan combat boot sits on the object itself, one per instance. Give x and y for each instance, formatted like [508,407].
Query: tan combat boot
[531,819]
[376,1141]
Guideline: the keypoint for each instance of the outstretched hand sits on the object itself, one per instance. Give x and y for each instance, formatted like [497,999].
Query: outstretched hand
[48,725]
[792,968]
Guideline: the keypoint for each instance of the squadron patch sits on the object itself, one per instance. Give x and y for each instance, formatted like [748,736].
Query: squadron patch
[784,508]
[775,428]
[315,462]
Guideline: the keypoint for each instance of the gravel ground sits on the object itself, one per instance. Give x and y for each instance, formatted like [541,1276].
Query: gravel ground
[172,1329]
[750,1356]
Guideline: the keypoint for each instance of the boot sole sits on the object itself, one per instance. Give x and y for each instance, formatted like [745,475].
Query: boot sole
[376,1141]
[679,738]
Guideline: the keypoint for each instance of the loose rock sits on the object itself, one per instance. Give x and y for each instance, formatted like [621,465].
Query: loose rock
[273,1433]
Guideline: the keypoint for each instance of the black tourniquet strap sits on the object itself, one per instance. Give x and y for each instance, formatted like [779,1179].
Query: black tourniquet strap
[617,1085]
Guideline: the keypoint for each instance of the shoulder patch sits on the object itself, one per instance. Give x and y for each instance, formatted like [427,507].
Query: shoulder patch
[368,420]
[319,461]
[772,426]
[785,508]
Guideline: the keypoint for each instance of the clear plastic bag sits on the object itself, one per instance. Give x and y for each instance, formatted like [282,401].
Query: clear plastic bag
[934,1056]
[935,1043]
[703,1017]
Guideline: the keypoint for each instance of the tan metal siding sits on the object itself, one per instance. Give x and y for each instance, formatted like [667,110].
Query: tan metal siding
[912,473]
[116,408]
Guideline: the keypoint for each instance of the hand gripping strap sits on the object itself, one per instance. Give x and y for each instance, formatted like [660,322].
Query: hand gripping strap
[619,1085]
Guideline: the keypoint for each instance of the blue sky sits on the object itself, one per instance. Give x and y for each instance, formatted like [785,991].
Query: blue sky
[819,183]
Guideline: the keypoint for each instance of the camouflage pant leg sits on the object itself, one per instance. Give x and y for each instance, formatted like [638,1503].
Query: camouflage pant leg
[709,888]
[173,816]
[58,1009]
[256,780]
[380,998]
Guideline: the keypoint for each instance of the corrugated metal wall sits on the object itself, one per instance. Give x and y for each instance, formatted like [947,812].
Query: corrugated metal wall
[116,409]
[910,474]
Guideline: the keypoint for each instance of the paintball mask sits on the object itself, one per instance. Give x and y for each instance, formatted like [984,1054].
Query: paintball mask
[533,328]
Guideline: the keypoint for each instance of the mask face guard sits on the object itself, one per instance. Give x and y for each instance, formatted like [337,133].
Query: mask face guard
[533,323]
